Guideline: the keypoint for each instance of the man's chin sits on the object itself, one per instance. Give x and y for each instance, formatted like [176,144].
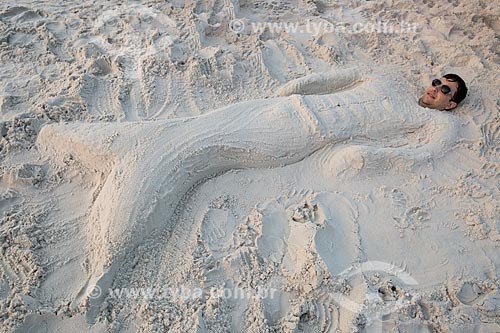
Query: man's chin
[424,101]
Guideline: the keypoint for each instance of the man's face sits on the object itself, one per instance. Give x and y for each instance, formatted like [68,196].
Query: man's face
[434,98]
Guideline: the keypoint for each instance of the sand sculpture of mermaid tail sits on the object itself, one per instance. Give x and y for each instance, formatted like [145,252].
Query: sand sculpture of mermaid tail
[150,166]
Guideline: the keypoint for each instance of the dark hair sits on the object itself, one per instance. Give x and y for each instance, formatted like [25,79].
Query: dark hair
[461,87]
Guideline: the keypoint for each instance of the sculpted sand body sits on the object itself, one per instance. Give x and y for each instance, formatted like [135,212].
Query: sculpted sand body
[150,166]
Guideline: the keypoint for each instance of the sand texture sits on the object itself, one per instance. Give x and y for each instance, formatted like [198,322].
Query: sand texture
[164,167]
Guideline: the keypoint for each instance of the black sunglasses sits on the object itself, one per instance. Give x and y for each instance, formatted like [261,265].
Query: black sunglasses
[444,88]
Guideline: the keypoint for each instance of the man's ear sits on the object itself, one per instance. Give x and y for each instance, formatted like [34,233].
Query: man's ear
[451,106]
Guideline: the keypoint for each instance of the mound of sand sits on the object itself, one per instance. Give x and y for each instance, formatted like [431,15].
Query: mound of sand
[166,166]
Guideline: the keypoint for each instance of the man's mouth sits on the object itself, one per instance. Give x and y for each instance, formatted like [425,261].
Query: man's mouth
[431,96]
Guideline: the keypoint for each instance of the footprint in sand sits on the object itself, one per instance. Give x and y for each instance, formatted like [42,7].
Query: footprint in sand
[475,292]
[216,229]
[321,222]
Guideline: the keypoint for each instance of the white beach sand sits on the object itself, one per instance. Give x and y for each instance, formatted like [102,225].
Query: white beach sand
[166,167]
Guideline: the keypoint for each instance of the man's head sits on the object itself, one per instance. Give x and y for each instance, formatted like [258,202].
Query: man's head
[444,93]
